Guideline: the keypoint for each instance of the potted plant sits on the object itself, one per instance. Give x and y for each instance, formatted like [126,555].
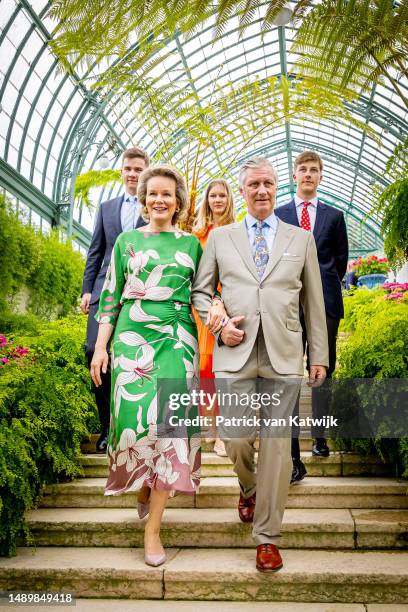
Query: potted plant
[370,271]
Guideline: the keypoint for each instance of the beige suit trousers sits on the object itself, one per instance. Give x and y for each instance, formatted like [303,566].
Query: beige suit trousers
[274,467]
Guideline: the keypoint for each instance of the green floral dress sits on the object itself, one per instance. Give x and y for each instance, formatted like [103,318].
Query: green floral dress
[146,296]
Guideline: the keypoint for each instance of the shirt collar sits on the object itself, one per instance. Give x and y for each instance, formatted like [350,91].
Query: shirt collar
[299,201]
[271,221]
[127,197]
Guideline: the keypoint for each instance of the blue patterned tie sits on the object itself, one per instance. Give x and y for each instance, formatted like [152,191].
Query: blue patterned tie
[128,222]
[261,254]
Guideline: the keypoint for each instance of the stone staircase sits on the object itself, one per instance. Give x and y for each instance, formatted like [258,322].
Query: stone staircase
[344,543]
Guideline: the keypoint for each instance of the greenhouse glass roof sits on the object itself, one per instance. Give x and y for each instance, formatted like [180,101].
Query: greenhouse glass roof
[54,126]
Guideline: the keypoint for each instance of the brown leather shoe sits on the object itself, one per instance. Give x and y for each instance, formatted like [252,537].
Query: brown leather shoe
[268,558]
[246,508]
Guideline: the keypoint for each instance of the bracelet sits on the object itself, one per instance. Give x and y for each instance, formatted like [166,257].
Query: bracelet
[217,298]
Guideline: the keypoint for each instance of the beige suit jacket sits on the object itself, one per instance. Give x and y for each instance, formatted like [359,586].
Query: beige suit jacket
[292,274]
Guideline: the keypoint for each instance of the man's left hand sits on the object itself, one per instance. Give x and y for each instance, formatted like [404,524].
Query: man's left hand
[216,316]
[85,302]
[317,375]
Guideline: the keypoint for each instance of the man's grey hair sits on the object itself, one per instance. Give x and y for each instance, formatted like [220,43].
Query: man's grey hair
[255,162]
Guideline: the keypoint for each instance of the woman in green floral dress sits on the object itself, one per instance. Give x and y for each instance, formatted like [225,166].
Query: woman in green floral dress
[146,303]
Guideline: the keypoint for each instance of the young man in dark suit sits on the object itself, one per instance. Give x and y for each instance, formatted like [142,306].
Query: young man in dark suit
[114,217]
[330,233]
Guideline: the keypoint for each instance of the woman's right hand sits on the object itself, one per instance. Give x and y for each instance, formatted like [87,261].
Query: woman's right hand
[100,361]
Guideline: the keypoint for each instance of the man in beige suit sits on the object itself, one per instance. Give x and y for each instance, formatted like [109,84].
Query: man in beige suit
[265,266]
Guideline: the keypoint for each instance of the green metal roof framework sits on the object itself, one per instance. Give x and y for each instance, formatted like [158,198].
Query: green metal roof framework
[53,127]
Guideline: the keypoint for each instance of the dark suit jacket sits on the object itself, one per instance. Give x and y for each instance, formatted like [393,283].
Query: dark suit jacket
[107,228]
[330,234]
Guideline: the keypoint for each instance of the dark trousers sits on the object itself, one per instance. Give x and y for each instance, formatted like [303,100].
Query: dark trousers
[102,393]
[320,397]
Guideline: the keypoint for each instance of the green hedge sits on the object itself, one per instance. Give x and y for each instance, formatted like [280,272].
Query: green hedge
[45,408]
[377,347]
[51,270]
[46,405]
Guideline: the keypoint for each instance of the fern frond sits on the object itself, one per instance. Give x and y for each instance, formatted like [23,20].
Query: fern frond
[354,42]
[94,178]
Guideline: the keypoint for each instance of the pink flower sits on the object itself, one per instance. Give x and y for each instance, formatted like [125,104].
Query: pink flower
[4,360]
[395,287]
[3,340]
[394,296]
[21,351]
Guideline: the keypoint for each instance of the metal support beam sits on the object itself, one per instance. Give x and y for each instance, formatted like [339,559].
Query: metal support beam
[354,252]
[90,98]
[192,85]
[25,191]
[82,136]
[22,189]
[363,139]
[333,200]
[284,72]
[341,158]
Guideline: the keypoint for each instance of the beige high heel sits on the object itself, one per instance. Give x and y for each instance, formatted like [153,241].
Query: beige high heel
[219,448]
[155,560]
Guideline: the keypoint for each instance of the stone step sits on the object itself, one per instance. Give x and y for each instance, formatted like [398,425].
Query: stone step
[211,574]
[222,492]
[122,605]
[305,442]
[315,492]
[219,528]
[337,464]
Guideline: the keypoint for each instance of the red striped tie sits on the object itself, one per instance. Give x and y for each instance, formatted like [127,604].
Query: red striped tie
[305,218]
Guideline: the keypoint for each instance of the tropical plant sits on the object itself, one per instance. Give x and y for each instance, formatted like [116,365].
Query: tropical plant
[139,40]
[190,133]
[351,43]
[390,206]
[94,178]
[45,406]
[378,344]
[397,165]
[393,207]
[355,44]
[89,32]
[376,348]
[48,269]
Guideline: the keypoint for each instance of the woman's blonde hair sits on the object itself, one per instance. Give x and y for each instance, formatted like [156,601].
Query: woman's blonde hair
[181,190]
[204,214]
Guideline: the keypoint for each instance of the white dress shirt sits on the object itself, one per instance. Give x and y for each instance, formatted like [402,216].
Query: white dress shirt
[312,209]
[269,230]
[130,204]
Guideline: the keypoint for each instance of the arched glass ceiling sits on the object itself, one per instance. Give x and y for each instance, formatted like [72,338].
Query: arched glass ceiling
[53,127]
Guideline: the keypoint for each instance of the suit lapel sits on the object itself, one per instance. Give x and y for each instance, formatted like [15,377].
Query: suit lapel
[282,240]
[117,215]
[239,237]
[292,217]
[140,222]
[320,219]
